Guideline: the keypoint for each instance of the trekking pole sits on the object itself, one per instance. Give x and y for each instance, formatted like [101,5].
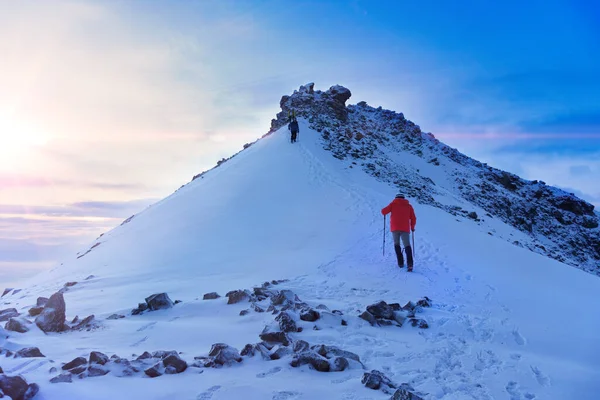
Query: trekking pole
[413,247]
[384,217]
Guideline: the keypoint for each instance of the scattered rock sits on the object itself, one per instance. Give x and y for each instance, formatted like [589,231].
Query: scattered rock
[78,370]
[301,346]
[174,365]
[421,323]
[116,316]
[313,359]
[52,317]
[424,302]
[140,309]
[74,363]
[237,296]
[95,370]
[376,380]
[97,357]
[248,351]
[89,277]
[17,325]
[381,310]
[406,392]
[153,371]
[29,352]
[6,291]
[258,308]
[162,354]
[285,298]
[224,354]
[322,307]
[339,364]
[17,388]
[281,352]
[275,337]
[332,351]
[399,318]
[309,315]
[35,311]
[85,323]
[144,356]
[211,296]
[244,312]
[8,313]
[367,316]
[286,322]
[41,301]
[159,301]
[70,284]
[62,378]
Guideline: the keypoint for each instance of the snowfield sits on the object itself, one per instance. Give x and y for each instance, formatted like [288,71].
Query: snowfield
[505,322]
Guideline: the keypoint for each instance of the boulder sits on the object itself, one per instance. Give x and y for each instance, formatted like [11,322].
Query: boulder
[29,352]
[286,322]
[17,388]
[381,310]
[399,317]
[211,296]
[406,392]
[281,352]
[116,316]
[35,311]
[140,309]
[153,371]
[70,284]
[52,317]
[159,301]
[424,302]
[96,370]
[6,291]
[249,350]
[97,357]
[332,351]
[376,380]
[339,364]
[309,315]
[274,337]
[244,312]
[62,378]
[162,354]
[174,365]
[237,296]
[339,93]
[41,301]
[284,298]
[78,370]
[421,323]
[367,316]
[8,313]
[224,354]
[144,356]
[17,325]
[85,323]
[301,346]
[313,359]
[74,363]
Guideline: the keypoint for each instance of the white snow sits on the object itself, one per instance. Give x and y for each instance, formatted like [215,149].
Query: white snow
[506,323]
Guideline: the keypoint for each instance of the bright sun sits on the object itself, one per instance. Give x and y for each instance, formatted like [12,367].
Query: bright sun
[16,137]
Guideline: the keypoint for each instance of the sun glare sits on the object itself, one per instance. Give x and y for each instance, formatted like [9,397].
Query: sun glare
[17,137]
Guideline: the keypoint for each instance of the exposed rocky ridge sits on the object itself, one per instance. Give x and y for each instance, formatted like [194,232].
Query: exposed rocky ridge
[368,137]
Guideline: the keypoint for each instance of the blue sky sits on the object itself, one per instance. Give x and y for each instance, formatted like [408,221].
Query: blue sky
[107,106]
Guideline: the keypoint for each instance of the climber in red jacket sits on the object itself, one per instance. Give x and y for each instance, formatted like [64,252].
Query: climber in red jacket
[402,222]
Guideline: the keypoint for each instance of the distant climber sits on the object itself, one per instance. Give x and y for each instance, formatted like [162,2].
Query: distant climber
[294,128]
[402,222]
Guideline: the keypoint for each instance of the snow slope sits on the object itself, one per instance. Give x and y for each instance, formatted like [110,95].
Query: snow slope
[506,323]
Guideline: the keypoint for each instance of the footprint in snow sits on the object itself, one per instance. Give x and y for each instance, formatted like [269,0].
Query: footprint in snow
[540,376]
[144,327]
[518,338]
[512,388]
[269,372]
[286,395]
[208,394]
[139,342]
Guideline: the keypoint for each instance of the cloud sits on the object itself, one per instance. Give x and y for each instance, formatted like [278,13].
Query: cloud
[108,209]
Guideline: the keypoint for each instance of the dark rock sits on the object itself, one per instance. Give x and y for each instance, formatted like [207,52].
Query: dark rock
[17,325]
[224,354]
[35,311]
[281,352]
[367,316]
[310,315]
[473,215]
[177,302]
[75,320]
[258,308]
[144,356]
[384,322]
[339,93]
[94,370]
[78,370]
[62,378]
[237,296]
[211,296]
[116,316]
[424,302]
[159,301]
[29,352]
[339,364]
[322,307]
[406,392]
[421,323]
[301,346]
[285,297]
[98,358]
[174,363]
[286,322]
[41,301]
[376,380]
[248,351]
[410,306]
[6,291]
[333,351]
[52,317]
[162,354]
[395,306]
[275,337]
[74,363]
[244,312]
[153,371]
[70,284]
[381,310]
[85,323]
[17,388]
[337,312]
[313,359]
[8,313]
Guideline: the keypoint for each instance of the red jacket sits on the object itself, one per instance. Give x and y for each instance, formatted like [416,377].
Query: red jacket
[403,215]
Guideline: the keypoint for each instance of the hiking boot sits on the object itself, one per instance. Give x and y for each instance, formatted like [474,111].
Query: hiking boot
[409,258]
[399,256]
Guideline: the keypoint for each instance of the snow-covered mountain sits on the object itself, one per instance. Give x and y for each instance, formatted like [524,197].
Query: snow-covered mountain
[290,238]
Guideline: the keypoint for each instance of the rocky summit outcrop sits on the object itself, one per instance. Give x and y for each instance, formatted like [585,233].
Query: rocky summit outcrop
[53,316]
[559,224]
